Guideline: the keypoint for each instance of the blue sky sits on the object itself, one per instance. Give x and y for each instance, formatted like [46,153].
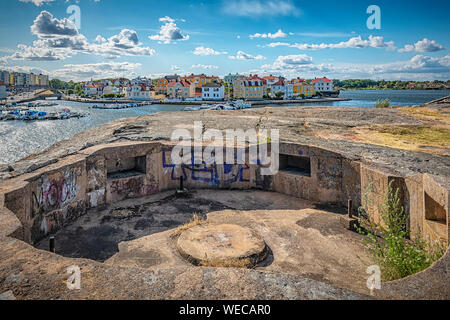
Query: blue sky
[285,37]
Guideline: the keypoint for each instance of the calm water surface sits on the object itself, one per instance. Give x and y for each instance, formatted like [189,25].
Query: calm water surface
[19,139]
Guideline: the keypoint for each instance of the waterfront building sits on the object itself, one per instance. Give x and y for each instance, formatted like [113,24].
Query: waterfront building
[278,87]
[229,79]
[197,80]
[3,94]
[138,92]
[4,77]
[270,80]
[252,88]
[213,91]
[323,84]
[301,87]
[179,89]
[162,83]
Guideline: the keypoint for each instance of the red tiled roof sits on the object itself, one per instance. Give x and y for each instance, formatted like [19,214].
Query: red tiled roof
[321,79]
[270,77]
[279,83]
[183,83]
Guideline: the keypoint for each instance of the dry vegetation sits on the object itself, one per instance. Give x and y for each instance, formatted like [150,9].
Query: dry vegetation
[196,220]
[229,263]
[433,136]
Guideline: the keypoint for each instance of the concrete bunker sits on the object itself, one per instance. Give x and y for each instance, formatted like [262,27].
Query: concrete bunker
[54,197]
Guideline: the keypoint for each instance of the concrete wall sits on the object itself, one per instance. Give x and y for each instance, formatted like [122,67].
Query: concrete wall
[49,198]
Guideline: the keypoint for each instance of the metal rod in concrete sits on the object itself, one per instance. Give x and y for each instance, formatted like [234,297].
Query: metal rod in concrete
[349,208]
[52,244]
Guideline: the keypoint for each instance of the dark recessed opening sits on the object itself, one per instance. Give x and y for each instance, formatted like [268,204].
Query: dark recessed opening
[295,164]
[434,211]
[126,167]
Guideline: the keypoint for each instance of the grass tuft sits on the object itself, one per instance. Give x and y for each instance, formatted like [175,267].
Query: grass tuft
[382,103]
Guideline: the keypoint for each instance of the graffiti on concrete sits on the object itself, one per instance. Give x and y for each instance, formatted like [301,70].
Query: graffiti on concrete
[210,173]
[52,194]
[132,187]
[329,173]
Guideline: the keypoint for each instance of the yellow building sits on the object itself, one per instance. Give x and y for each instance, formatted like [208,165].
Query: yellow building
[243,88]
[301,87]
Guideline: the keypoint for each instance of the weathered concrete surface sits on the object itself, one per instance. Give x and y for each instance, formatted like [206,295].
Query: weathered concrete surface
[35,274]
[97,234]
[305,241]
[221,242]
[328,127]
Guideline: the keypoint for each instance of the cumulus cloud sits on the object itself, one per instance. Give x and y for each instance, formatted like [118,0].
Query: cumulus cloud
[355,42]
[241,55]
[203,51]
[46,26]
[203,66]
[59,39]
[278,34]
[80,72]
[424,45]
[419,67]
[169,32]
[37,2]
[252,8]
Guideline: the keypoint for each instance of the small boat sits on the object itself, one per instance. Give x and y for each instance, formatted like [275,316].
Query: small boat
[194,108]
[41,115]
[52,116]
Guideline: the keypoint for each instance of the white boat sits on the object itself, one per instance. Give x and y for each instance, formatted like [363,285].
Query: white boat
[240,104]
[194,108]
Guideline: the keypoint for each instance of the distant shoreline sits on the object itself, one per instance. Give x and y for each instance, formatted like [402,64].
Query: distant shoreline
[187,103]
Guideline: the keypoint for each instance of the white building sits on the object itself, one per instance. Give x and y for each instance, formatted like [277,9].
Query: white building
[3,94]
[90,90]
[323,85]
[138,92]
[277,87]
[213,91]
[288,91]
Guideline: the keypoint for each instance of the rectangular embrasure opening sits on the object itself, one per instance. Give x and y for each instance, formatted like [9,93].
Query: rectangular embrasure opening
[126,167]
[434,211]
[295,164]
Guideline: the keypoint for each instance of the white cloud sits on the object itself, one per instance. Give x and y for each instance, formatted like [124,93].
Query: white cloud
[175,68]
[202,66]
[59,39]
[355,42]
[419,67]
[203,51]
[278,34]
[424,45]
[37,2]
[252,8]
[169,32]
[80,72]
[241,55]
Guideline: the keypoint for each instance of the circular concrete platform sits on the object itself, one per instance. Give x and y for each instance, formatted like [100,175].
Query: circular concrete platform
[224,245]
